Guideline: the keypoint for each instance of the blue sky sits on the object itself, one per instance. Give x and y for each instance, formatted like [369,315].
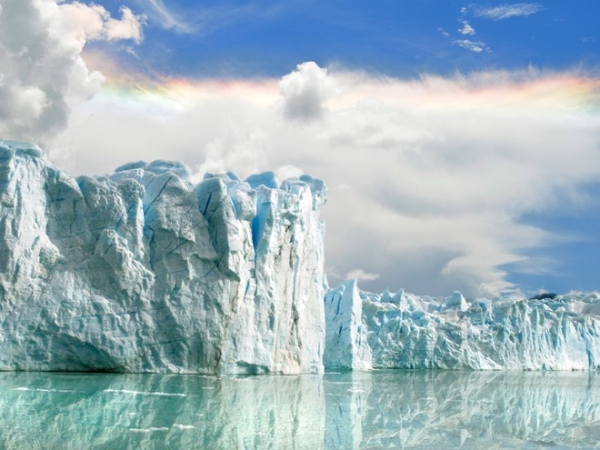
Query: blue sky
[233,38]
[460,140]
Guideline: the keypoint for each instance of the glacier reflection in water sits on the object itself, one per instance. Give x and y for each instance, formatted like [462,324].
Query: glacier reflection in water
[371,410]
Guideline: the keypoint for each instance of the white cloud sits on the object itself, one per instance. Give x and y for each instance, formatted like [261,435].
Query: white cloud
[129,27]
[41,71]
[466,29]
[507,11]
[305,90]
[474,46]
[361,275]
[428,179]
[42,74]
[93,22]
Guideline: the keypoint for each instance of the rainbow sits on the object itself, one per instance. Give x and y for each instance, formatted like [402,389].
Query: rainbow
[506,92]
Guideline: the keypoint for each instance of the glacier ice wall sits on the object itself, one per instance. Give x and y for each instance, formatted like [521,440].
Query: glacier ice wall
[419,332]
[143,271]
[346,345]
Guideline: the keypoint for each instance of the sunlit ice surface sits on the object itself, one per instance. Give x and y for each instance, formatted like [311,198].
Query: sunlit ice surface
[345,410]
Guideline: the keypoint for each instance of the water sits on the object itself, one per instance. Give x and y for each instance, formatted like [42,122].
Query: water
[370,410]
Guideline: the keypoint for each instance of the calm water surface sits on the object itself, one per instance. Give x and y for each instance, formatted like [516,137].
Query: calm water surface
[366,410]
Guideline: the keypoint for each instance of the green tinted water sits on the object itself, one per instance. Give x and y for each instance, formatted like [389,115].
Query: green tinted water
[387,409]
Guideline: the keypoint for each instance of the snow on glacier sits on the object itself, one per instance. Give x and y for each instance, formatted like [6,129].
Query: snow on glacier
[142,271]
[407,331]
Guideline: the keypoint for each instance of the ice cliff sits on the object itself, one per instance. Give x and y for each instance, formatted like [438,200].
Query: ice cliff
[144,271]
[407,331]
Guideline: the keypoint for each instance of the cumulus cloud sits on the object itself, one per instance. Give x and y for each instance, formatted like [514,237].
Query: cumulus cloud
[428,179]
[506,11]
[305,90]
[93,22]
[42,74]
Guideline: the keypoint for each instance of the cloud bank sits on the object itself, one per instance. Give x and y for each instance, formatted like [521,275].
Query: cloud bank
[429,179]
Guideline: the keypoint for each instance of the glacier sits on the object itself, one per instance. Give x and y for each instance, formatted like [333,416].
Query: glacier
[406,331]
[143,271]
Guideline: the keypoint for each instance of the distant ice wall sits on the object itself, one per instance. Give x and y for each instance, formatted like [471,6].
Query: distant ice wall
[412,332]
[142,271]
[346,343]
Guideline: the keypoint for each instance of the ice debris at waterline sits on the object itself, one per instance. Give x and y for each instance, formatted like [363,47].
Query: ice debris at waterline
[142,271]
[406,331]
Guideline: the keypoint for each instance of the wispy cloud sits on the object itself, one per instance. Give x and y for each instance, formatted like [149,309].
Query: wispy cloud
[204,20]
[443,32]
[167,18]
[466,30]
[506,11]
[474,46]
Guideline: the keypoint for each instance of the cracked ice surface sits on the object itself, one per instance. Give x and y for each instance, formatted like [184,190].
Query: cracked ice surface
[142,271]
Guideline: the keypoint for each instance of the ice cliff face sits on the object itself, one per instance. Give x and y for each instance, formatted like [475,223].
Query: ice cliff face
[410,332]
[346,345]
[143,271]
